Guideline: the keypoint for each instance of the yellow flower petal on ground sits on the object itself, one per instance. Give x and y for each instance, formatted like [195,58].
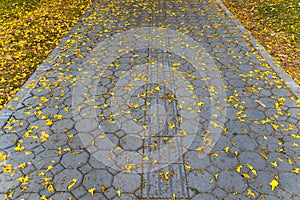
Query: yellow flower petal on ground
[73,182]
[273,184]
[118,192]
[91,191]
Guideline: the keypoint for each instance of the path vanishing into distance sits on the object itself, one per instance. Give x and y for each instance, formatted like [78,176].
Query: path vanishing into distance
[153,100]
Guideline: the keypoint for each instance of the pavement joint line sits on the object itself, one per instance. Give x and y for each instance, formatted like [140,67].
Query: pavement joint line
[291,84]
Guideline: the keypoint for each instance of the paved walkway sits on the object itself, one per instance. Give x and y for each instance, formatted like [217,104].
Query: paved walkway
[152,100]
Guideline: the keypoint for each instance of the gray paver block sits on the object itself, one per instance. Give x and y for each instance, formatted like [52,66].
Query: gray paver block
[62,196]
[262,181]
[7,182]
[55,141]
[231,180]
[86,125]
[225,160]
[8,140]
[192,158]
[253,159]
[63,179]
[131,142]
[44,159]
[216,47]
[245,142]
[96,196]
[74,159]
[200,181]
[62,125]
[127,183]
[97,178]
[290,182]
[204,196]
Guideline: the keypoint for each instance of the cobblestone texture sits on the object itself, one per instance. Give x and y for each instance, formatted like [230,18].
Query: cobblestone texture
[105,120]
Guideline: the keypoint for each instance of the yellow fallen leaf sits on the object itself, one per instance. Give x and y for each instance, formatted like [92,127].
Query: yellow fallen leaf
[44,197]
[171,125]
[23,180]
[19,148]
[246,175]
[295,136]
[10,195]
[118,192]
[187,166]
[274,163]
[264,156]
[251,193]
[73,182]
[49,168]
[50,188]
[216,176]
[296,170]
[173,196]
[273,184]
[91,191]
[226,149]
[22,166]
[238,168]
[103,189]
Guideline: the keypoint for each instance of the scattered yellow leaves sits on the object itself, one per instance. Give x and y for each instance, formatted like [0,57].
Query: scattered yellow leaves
[19,148]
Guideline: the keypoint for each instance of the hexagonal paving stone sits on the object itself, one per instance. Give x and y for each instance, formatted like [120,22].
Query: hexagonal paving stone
[225,160]
[10,140]
[62,196]
[63,179]
[55,141]
[125,196]
[245,142]
[230,181]
[127,183]
[96,196]
[131,143]
[8,182]
[27,196]
[290,182]
[44,159]
[86,125]
[74,159]
[35,181]
[204,196]
[252,158]
[17,158]
[97,178]
[109,142]
[235,196]
[108,127]
[200,181]
[62,125]
[192,158]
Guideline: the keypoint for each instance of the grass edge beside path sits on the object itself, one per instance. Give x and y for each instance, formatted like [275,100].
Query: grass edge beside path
[276,25]
[29,31]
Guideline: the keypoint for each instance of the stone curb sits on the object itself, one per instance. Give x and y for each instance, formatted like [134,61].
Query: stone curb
[291,84]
